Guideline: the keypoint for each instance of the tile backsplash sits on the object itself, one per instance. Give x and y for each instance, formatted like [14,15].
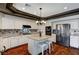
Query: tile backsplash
[13,32]
[4,32]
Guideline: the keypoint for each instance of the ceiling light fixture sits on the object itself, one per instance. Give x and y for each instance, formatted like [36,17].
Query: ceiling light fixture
[23,8]
[65,7]
[40,21]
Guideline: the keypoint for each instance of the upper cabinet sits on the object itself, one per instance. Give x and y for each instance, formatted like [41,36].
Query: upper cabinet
[7,23]
[1,15]
[12,22]
[18,24]
[0,22]
[74,24]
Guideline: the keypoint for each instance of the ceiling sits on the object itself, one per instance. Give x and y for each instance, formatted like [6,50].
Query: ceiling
[31,10]
[48,9]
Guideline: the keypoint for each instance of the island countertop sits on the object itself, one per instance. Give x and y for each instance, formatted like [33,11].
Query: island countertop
[37,37]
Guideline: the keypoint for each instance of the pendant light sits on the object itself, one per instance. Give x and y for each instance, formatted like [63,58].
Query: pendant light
[40,21]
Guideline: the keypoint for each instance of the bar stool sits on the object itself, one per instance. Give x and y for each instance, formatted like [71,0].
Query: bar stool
[49,44]
[43,45]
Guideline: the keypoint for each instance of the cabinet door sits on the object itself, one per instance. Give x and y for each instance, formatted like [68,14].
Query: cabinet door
[1,16]
[18,24]
[74,25]
[25,39]
[74,41]
[1,44]
[0,23]
[7,23]
[13,41]
[22,40]
[6,43]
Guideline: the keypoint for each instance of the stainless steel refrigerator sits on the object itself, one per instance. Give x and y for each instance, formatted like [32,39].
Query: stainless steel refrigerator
[63,34]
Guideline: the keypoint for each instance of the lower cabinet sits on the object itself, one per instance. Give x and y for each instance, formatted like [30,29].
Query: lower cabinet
[74,41]
[12,42]
[5,42]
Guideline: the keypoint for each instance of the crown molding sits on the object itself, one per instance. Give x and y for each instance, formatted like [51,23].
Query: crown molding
[10,7]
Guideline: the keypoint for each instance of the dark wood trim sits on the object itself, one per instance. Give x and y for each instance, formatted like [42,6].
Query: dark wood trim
[64,14]
[19,13]
[16,11]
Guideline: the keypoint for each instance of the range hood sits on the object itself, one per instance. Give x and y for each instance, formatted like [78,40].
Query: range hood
[26,26]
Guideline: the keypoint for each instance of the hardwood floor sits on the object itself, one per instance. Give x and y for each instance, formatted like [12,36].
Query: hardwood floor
[61,50]
[57,50]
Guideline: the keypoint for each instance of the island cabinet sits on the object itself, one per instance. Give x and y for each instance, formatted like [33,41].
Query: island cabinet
[34,46]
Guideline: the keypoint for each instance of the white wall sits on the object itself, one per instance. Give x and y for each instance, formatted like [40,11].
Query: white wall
[13,22]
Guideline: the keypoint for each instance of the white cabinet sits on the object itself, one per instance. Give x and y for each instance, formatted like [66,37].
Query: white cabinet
[7,23]
[53,26]
[74,41]
[0,23]
[13,42]
[18,24]
[6,43]
[22,40]
[1,16]
[0,43]
[74,24]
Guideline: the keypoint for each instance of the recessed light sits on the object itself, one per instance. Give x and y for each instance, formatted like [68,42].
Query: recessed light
[65,7]
[23,8]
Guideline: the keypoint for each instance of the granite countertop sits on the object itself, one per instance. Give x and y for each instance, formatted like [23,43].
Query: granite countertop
[14,35]
[9,36]
[37,37]
[74,34]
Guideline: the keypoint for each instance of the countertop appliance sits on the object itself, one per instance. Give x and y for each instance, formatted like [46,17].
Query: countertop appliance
[63,34]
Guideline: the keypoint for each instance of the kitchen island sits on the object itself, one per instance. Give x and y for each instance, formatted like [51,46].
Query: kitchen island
[33,44]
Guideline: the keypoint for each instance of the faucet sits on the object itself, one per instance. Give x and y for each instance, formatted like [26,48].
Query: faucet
[40,33]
